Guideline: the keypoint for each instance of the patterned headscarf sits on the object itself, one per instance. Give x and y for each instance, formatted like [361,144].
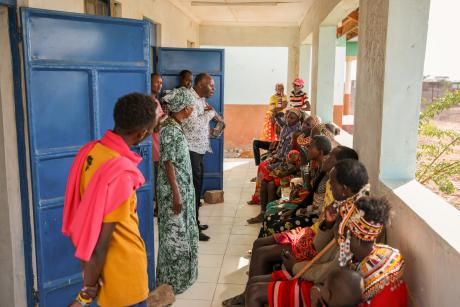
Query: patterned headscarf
[296,111]
[178,98]
[315,119]
[294,156]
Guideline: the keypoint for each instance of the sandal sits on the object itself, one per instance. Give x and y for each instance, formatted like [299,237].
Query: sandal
[254,179]
[251,202]
[257,219]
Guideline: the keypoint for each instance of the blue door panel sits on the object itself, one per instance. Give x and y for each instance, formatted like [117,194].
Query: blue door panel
[70,91]
[80,38]
[112,85]
[51,185]
[76,67]
[54,270]
[173,60]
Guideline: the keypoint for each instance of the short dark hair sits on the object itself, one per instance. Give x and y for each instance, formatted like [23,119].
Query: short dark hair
[351,173]
[185,72]
[376,209]
[201,77]
[154,75]
[344,152]
[322,143]
[133,112]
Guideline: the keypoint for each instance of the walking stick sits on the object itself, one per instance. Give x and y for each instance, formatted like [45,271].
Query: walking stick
[316,258]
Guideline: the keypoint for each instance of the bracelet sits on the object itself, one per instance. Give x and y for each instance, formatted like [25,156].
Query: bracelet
[83,301]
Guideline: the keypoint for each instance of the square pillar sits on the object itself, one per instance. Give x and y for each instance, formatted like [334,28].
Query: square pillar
[305,66]
[390,73]
[339,80]
[326,73]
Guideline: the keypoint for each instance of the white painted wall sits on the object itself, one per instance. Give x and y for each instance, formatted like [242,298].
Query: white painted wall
[252,72]
[176,27]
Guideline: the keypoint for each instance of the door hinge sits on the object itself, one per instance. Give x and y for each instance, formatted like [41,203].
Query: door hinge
[35,295]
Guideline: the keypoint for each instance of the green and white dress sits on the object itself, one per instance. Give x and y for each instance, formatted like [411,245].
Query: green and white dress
[178,234]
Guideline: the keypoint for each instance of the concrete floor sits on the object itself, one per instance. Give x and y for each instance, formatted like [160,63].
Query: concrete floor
[223,260]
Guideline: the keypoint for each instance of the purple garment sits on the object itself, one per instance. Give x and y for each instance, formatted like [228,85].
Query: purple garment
[285,144]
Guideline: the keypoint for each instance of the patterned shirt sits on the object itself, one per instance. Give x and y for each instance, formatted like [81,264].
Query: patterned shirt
[196,127]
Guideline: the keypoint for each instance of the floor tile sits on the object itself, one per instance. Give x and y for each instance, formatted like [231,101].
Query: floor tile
[238,249]
[211,248]
[234,270]
[224,211]
[210,261]
[252,230]
[241,239]
[191,303]
[209,275]
[199,291]
[219,220]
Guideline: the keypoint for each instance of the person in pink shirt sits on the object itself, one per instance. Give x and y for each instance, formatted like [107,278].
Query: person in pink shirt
[157,83]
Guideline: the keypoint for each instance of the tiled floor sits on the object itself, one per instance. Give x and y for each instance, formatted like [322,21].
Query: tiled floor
[223,260]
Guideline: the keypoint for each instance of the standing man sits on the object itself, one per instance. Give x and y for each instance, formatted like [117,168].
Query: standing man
[100,209]
[186,79]
[157,83]
[196,129]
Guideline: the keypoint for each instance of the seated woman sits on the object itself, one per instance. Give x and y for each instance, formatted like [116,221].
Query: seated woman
[278,102]
[278,177]
[305,213]
[381,266]
[352,179]
[342,288]
[284,146]
[301,239]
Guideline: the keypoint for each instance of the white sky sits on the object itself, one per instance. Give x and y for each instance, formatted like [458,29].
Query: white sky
[443,45]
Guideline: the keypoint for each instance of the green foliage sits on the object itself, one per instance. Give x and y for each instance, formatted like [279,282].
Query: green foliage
[432,165]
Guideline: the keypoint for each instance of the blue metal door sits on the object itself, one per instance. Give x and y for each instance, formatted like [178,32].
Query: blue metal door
[171,61]
[76,66]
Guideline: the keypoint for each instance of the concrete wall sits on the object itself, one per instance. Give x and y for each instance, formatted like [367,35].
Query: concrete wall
[244,123]
[252,72]
[176,27]
[211,35]
[12,277]
[425,229]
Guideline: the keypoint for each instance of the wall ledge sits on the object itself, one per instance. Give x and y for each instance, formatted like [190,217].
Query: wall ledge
[437,213]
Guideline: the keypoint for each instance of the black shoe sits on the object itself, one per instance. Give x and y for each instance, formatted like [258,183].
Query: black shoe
[204,237]
[203,227]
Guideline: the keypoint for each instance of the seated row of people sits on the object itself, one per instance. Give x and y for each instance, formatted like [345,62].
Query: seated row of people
[315,239]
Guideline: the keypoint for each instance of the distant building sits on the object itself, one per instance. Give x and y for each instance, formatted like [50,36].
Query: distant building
[437,87]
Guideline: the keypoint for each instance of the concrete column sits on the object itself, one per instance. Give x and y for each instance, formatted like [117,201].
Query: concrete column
[390,72]
[12,277]
[314,71]
[347,90]
[305,66]
[293,65]
[339,80]
[326,73]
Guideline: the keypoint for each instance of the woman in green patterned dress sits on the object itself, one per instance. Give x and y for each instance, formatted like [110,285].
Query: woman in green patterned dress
[178,232]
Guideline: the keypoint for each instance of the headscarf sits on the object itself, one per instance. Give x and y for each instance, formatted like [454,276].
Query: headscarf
[298,81]
[178,98]
[294,156]
[296,111]
[316,120]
